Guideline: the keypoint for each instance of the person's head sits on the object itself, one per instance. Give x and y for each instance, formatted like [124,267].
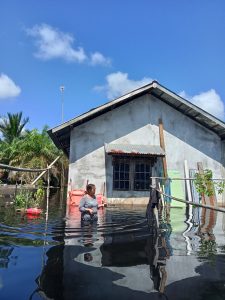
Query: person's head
[88,257]
[90,189]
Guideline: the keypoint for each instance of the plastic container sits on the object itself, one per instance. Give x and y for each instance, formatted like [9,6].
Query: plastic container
[75,196]
[34,211]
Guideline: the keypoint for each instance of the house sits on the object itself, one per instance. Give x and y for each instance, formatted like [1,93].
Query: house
[149,131]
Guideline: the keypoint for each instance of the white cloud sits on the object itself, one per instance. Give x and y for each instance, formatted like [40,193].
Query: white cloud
[119,84]
[98,59]
[184,95]
[8,89]
[52,43]
[209,101]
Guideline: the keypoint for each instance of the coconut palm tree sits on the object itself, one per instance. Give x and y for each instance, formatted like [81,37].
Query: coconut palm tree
[36,151]
[12,126]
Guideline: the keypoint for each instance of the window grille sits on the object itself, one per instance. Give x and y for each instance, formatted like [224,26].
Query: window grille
[131,173]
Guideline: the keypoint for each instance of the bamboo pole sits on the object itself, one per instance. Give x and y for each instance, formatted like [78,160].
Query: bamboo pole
[221,179]
[189,202]
[187,182]
[11,168]
[45,170]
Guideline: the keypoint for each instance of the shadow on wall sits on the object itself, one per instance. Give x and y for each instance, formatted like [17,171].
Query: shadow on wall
[141,115]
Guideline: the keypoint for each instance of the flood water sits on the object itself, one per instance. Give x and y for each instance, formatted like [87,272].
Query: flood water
[121,256]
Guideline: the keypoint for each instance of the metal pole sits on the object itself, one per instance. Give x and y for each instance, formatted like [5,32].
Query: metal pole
[62,88]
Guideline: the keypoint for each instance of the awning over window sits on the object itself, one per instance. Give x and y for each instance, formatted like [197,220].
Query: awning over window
[128,149]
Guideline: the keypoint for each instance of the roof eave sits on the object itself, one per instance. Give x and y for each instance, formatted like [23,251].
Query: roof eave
[155,89]
[57,143]
[105,107]
[190,104]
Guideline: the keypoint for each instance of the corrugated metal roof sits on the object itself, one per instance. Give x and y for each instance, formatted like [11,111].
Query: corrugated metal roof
[153,150]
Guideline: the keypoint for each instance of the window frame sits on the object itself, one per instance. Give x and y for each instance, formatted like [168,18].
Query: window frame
[120,161]
[132,161]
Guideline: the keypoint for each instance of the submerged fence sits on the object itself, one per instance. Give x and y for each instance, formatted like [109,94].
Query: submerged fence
[155,184]
[43,171]
[19,169]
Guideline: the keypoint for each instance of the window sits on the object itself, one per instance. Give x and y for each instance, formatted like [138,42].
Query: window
[130,173]
[142,174]
[121,174]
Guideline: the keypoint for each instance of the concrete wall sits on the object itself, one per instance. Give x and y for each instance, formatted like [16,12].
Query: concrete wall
[137,123]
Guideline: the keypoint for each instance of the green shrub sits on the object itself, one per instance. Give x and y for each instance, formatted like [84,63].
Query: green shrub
[26,199]
[205,185]
[22,199]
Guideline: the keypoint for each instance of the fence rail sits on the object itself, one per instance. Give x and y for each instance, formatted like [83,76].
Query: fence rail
[168,178]
[18,169]
[189,202]
[11,168]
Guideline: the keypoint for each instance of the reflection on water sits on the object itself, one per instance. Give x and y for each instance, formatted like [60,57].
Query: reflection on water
[129,253]
[5,253]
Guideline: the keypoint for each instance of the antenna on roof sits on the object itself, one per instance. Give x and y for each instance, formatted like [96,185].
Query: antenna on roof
[62,88]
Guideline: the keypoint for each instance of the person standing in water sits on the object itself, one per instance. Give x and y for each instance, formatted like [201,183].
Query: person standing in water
[89,205]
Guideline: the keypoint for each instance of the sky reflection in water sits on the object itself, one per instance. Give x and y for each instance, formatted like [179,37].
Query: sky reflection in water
[123,255]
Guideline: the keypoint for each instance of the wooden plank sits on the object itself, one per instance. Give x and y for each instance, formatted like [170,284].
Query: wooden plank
[162,145]
[187,182]
[201,171]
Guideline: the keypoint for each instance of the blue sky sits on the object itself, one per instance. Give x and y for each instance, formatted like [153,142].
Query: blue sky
[101,49]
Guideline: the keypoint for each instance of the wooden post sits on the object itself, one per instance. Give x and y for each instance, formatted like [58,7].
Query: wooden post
[162,145]
[62,176]
[188,186]
[206,199]
[201,171]
[15,191]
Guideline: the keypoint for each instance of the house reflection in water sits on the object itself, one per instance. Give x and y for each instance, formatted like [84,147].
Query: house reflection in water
[135,249]
[200,231]
[123,255]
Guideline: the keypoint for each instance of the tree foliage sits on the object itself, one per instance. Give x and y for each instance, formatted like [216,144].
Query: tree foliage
[12,126]
[28,149]
[205,185]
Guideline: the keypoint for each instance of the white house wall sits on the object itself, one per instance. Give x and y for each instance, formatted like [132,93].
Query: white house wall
[137,123]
